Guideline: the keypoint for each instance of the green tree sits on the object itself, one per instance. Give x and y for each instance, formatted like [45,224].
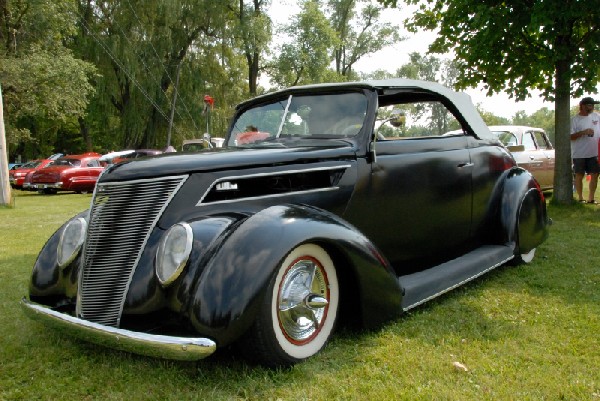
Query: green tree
[542,118]
[306,57]
[360,32]
[517,46]
[148,49]
[255,36]
[431,68]
[45,87]
[490,118]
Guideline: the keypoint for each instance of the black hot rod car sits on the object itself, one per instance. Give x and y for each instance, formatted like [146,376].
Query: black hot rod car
[330,203]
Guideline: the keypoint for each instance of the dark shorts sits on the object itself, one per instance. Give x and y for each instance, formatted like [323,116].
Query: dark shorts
[587,165]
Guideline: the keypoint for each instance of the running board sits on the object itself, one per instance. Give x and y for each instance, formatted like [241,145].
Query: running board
[422,286]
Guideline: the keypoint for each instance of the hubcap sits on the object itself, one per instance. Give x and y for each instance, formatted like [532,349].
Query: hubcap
[303,300]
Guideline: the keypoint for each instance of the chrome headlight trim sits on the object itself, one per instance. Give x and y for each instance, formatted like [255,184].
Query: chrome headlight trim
[71,240]
[173,253]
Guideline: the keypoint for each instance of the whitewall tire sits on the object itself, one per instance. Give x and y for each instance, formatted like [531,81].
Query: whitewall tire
[300,309]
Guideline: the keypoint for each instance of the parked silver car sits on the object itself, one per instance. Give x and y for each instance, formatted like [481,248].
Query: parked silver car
[532,150]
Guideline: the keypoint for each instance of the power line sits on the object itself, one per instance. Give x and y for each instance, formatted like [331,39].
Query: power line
[164,67]
[122,68]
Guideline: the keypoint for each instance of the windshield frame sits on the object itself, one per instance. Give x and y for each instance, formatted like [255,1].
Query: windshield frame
[300,115]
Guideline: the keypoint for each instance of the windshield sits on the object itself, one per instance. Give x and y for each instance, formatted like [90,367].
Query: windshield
[67,162]
[323,116]
[32,164]
[507,138]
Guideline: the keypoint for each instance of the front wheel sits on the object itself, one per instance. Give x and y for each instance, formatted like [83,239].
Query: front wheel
[299,311]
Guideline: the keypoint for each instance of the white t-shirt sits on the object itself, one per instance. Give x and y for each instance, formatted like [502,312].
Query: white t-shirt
[585,146]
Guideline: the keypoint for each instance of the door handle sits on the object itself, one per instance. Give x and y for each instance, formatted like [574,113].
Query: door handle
[461,165]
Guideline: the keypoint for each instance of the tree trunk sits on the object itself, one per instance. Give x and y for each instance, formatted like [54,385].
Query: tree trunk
[85,134]
[253,73]
[5,191]
[563,176]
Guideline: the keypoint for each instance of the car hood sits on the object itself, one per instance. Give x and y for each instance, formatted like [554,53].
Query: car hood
[226,159]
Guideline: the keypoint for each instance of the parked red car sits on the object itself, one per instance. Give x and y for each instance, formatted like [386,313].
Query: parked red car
[17,176]
[77,173]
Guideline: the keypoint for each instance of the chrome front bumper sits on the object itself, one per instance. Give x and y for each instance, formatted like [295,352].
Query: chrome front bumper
[158,346]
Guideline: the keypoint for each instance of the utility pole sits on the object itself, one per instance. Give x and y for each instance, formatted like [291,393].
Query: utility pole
[5,195]
[173,104]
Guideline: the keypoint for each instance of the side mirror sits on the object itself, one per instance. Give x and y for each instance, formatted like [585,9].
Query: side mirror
[398,118]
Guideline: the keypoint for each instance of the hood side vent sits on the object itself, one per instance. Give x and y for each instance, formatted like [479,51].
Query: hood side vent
[257,186]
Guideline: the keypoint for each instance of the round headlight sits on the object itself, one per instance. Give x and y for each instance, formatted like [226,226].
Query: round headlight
[71,240]
[173,252]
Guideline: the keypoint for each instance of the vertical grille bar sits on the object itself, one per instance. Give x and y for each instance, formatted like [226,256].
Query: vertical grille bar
[122,217]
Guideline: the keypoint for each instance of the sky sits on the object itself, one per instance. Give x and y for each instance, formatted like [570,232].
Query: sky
[394,56]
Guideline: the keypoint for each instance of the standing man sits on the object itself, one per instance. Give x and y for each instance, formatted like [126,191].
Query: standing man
[585,132]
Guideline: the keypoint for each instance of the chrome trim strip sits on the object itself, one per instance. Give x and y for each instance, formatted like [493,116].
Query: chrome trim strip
[237,177]
[269,196]
[285,113]
[157,346]
[457,285]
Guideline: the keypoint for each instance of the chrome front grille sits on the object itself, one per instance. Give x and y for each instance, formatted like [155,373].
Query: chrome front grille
[122,217]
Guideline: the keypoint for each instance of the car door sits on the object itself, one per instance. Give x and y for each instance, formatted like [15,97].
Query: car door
[418,189]
[545,174]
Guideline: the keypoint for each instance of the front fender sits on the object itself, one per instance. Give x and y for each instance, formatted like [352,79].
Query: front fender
[50,283]
[226,298]
[523,215]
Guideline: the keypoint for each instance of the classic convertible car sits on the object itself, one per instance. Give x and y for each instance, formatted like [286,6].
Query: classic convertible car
[313,220]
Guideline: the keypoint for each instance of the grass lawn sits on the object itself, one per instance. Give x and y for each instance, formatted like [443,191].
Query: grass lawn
[530,332]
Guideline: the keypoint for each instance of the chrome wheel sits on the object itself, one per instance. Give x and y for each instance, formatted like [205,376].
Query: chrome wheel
[299,311]
[303,300]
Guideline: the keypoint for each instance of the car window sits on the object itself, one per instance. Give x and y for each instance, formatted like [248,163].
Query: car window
[322,116]
[67,162]
[541,140]
[528,141]
[424,119]
[32,164]
[507,138]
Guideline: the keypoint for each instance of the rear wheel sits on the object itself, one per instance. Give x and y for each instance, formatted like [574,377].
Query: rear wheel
[525,257]
[530,220]
[299,311]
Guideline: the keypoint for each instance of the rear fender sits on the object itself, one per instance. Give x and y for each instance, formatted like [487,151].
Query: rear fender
[523,216]
[227,296]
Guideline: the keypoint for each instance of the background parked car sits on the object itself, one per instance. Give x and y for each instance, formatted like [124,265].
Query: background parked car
[109,157]
[195,145]
[532,150]
[136,154]
[27,182]
[17,175]
[77,173]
